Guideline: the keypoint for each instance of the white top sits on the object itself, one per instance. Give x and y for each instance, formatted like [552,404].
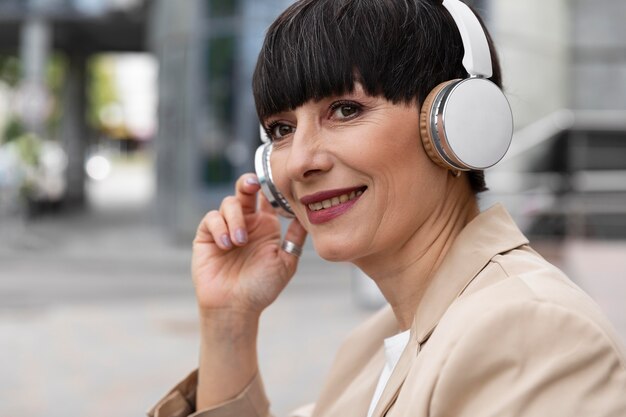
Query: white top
[394,346]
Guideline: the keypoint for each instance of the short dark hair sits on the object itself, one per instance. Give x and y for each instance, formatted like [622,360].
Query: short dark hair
[398,49]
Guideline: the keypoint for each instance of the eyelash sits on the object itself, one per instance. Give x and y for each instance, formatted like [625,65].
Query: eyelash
[338,104]
[332,109]
[270,129]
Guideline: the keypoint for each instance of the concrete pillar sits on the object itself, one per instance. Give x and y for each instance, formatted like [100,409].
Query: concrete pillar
[178,43]
[74,128]
[34,50]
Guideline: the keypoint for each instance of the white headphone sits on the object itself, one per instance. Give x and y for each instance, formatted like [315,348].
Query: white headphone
[466,124]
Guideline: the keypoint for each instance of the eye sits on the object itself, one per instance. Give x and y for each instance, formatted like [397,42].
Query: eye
[345,110]
[278,130]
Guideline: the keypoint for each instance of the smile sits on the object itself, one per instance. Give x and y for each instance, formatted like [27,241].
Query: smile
[328,205]
[335,201]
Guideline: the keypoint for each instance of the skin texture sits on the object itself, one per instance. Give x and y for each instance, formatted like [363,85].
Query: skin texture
[397,232]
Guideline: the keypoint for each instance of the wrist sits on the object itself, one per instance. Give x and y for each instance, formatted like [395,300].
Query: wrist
[228,324]
[228,355]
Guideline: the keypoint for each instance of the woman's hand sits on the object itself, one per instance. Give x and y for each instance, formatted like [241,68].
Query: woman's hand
[237,264]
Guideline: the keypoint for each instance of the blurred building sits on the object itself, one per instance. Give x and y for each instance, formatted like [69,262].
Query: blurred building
[78,29]
[561,54]
[564,66]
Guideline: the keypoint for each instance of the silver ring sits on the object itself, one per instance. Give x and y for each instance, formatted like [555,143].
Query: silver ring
[291,248]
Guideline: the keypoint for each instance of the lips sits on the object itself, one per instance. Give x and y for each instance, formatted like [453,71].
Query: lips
[327,205]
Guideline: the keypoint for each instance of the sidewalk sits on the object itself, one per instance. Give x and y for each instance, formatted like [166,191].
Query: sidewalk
[117,358]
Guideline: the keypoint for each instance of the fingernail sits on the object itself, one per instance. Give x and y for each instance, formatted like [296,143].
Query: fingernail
[226,241]
[252,181]
[241,236]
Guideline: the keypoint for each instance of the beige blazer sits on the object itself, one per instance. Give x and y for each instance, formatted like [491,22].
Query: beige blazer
[500,332]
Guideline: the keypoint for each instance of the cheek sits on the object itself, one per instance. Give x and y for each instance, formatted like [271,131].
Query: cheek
[410,184]
[404,165]
[278,163]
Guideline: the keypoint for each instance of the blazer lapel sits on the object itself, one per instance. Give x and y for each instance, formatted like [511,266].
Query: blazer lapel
[397,378]
[350,386]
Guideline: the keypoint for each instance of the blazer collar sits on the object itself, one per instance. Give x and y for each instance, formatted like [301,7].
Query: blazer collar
[490,233]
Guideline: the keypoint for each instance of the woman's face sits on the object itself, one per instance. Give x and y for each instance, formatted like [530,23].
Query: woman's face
[355,173]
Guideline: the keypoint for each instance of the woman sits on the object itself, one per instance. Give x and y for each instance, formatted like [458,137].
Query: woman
[478,323]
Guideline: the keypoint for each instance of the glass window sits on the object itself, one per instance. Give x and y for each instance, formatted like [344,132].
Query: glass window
[221,73]
[221,93]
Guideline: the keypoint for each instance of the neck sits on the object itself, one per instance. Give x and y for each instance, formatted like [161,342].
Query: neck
[403,274]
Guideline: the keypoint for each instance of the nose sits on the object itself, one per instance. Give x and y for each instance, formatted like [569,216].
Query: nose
[308,154]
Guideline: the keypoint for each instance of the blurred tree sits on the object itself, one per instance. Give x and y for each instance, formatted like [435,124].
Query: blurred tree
[11,74]
[10,69]
[56,73]
[102,97]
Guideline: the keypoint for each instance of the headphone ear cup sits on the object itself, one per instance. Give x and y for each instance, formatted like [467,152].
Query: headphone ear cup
[264,174]
[466,124]
[426,114]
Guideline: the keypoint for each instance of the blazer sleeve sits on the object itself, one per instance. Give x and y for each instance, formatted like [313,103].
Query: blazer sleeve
[180,402]
[532,359]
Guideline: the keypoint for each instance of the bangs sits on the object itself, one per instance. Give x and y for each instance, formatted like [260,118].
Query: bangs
[321,48]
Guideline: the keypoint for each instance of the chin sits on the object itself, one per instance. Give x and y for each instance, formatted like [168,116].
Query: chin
[334,250]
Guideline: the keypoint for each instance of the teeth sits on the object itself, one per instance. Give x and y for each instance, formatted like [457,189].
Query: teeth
[335,201]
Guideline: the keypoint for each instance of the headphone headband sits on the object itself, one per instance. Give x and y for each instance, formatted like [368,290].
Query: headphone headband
[477,58]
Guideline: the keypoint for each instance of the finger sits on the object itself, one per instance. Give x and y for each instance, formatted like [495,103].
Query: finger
[232,212]
[246,190]
[296,234]
[213,229]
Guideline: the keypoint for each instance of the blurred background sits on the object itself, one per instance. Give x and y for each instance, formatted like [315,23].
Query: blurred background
[123,121]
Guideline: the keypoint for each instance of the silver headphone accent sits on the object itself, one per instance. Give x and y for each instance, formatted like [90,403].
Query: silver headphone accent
[263,170]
